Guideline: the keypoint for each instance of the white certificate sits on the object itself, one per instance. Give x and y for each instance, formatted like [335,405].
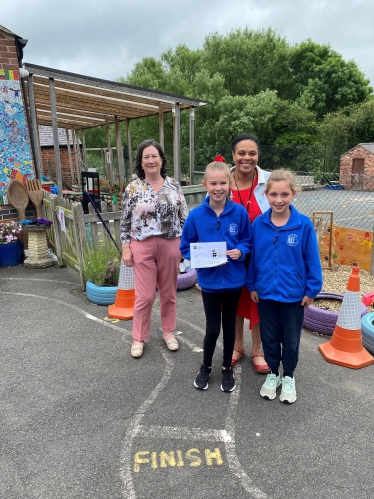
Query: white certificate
[204,255]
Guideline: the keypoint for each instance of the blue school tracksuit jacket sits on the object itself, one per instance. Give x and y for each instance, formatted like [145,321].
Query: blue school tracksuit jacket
[285,264]
[232,225]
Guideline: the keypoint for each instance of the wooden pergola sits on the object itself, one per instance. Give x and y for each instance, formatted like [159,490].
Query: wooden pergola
[76,102]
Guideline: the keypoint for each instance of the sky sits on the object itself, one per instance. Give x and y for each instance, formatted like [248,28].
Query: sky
[105,38]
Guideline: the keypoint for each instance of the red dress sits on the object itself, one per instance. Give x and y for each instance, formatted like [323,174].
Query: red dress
[247,308]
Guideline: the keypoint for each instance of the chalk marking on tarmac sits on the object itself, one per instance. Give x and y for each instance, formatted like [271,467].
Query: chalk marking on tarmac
[189,343]
[180,433]
[135,427]
[77,309]
[34,279]
[132,431]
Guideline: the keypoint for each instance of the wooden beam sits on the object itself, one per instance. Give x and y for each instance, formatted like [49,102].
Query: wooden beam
[109,157]
[176,143]
[84,148]
[34,128]
[77,166]
[119,150]
[55,135]
[161,126]
[69,154]
[128,133]
[192,143]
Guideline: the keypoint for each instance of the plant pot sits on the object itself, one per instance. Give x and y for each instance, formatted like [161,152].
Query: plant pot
[101,295]
[187,279]
[10,254]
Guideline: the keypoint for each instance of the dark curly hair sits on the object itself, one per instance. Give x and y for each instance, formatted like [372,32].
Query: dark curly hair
[244,136]
[139,156]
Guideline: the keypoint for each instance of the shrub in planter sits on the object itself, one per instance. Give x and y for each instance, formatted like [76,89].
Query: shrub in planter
[101,270]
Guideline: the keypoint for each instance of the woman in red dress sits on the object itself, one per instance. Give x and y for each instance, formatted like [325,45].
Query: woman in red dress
[247,187]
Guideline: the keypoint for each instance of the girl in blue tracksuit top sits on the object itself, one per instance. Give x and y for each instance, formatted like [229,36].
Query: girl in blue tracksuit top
[284,276]
[218,219]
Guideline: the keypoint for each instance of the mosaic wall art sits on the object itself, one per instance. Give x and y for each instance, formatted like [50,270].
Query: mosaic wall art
[15,149]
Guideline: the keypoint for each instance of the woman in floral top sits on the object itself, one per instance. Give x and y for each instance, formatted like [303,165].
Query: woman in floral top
[154,212]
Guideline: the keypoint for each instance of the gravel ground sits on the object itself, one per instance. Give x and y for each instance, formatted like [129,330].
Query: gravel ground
[335,281]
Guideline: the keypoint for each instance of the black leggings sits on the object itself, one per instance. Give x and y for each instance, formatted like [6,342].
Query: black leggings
[222,303]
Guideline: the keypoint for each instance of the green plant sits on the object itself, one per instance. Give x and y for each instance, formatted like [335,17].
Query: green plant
[102,265]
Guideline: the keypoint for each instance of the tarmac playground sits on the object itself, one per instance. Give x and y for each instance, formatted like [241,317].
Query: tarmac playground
[80,418]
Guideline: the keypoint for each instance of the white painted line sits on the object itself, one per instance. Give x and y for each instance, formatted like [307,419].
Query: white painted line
[182,339]
[234,463]
[133,429]
[76,309]
[180,433]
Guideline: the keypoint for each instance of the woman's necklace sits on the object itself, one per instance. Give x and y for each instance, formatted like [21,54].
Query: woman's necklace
[250,192]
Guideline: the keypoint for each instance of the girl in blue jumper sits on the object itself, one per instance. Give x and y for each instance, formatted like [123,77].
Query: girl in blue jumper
[284,276]
[218,219]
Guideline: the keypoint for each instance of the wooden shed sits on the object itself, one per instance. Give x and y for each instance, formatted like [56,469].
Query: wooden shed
[357,167]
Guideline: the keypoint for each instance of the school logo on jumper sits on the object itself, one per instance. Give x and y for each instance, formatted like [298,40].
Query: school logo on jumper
[233,229]
[292,240]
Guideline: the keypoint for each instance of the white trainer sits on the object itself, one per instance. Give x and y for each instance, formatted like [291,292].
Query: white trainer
[288,393]
[269,388]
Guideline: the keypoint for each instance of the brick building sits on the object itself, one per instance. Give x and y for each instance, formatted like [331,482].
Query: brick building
[48,155]
[357,167]
[16,160]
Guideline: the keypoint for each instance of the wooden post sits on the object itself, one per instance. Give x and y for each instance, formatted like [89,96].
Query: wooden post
[192,143]
[129,145]
[56,230]
[81,239]
[34,128]
[76,157]
[109,158]
[69,154]
[176,143]
[120,159]
[84,152]
[55,134]
[161,125]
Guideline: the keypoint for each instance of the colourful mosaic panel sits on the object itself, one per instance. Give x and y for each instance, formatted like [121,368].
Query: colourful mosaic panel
[15,150]
[9,74]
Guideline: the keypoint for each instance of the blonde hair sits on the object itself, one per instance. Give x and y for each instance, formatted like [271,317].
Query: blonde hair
[217,165]
[281,175]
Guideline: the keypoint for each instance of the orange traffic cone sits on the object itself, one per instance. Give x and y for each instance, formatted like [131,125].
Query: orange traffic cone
[345,347]
[123,307]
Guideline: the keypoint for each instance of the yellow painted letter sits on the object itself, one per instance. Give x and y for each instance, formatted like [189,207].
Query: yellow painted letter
[140,460]
[195,460]
[209,456]
[154,461]
[165,457]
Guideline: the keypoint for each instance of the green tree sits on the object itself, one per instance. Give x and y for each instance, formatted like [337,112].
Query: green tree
[321,75]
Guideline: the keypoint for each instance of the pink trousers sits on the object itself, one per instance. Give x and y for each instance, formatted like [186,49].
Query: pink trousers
[156,262]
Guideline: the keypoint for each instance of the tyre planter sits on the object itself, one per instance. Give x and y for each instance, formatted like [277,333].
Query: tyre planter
[101,295]
[367,329]
[10,254]
[324,321]
[187,279]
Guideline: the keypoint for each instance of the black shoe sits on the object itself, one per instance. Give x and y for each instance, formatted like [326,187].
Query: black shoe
[228,380]
[201,381]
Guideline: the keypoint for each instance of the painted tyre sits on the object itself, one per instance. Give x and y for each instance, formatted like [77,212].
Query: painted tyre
[101,295]
[187,280]
[324,321]
[367,329]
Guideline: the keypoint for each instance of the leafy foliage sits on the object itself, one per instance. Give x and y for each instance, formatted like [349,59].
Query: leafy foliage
[292,97]
[102,265]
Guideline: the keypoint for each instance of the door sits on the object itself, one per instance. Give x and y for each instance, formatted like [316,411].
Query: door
[358,166]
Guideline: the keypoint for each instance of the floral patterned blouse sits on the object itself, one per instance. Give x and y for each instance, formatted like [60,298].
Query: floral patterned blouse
[148,213]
